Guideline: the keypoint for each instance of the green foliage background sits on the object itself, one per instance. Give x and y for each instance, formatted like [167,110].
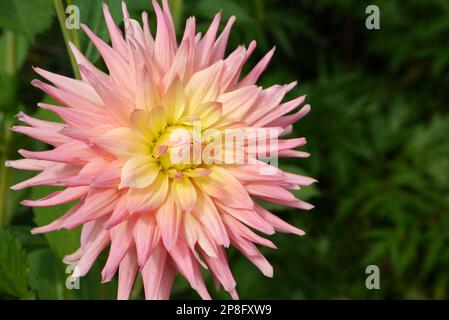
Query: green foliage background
[378,134]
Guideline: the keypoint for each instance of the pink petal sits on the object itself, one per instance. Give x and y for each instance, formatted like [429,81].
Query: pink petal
[254,75]
[127,273]
[158,275]
[220,44]
[150,198]
[146,237]
[121,238]
[188,267]
[58,197]
[276,222]
[169,220]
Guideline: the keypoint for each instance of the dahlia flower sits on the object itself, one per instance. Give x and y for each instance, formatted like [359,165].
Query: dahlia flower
[117,150]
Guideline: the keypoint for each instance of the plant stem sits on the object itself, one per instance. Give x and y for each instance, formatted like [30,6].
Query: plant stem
[177,8]
[75,35]
[10,65]
[60,12]
[5,216]
[10,69]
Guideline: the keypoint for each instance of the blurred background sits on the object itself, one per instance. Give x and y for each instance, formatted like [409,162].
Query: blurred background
[378,134]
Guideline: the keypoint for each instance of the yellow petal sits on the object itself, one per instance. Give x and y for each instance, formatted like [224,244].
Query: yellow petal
[139,172]
[140,125]
[209,113]
[157,120]
[203,86]
[175,101]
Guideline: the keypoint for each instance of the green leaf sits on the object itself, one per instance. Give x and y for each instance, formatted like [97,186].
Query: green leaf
[46,275]
[91,14]
[62,242]
[21,45]
[30,295]
[26,17]
[12,265]
[29,242]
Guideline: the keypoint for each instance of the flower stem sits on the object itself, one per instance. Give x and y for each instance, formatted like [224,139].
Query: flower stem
[75,35]
[5,212]
[68,36]
[177,8]
[10,65]
[10,69]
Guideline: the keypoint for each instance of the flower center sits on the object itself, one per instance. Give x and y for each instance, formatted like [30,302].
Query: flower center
[176,150]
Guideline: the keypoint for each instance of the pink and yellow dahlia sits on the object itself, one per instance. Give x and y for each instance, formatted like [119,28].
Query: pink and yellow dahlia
[120,153]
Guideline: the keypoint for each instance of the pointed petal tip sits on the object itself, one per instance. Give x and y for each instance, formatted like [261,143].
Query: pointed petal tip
[268,270]
[72,46]
[308,207]
[43,105]
[156,4]
[20,115]
[234,294]
[106,277]
[37,83]
[36,231]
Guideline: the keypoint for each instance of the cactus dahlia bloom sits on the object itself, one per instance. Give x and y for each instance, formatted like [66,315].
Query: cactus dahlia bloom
[113,154]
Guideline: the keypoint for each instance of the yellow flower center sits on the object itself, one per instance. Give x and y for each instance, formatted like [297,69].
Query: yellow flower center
[176,151]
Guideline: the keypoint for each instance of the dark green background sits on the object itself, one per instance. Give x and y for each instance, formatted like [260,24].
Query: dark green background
[378,134]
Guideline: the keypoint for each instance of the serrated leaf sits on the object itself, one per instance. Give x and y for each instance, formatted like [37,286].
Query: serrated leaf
[12,265]
[46,275]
